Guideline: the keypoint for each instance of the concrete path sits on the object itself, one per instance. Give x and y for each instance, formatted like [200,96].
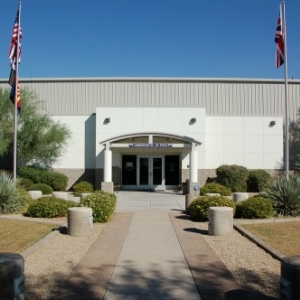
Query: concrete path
[151,250]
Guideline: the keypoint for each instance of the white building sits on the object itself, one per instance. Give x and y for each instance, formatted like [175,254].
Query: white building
[154,133]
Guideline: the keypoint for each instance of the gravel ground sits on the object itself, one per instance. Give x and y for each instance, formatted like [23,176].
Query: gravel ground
[253,268]
[48,267]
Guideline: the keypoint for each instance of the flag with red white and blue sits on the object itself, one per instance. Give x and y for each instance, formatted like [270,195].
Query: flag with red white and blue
[279,40]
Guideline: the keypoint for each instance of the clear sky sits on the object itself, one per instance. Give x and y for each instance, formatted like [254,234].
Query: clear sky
[150,38]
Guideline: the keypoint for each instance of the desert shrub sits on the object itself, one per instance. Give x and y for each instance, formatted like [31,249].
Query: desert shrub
[44,188]
[82,187]
[56,180]
[284,194]
[257,180]
[103,205]
[25,183]
[50,207]
[254,208]
[198,209]
[10,197]
[215,188]
[233,177]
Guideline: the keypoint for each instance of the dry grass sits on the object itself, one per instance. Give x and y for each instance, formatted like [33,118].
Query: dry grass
[16,236]
[284,237]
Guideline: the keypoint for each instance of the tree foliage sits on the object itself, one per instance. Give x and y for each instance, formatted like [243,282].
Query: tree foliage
[40,139]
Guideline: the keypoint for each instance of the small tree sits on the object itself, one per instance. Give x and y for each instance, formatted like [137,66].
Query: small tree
[40,139]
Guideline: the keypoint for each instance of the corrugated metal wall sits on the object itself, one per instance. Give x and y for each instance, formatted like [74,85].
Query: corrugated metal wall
[218,96]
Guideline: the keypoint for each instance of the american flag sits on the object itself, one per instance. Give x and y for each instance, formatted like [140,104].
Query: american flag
[14,42]
[279,40]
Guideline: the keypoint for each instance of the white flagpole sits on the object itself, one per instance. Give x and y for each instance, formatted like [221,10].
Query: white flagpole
[287,125]
[16,99]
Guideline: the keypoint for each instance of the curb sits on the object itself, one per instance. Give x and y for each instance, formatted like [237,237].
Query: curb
[272,251]
[42,242]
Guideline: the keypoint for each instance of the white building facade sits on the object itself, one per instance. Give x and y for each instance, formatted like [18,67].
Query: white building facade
[155,133]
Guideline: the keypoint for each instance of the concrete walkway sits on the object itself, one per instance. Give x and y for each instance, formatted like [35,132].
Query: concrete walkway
[150,250]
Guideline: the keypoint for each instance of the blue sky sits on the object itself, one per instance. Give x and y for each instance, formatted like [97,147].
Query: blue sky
[150,38]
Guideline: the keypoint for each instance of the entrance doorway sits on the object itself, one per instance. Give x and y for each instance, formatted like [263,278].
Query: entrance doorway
[150,172]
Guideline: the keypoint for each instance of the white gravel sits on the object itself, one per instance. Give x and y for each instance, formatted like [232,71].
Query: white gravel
[253,268]
[48,267]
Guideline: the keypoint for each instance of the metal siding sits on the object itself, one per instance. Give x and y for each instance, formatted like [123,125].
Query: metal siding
[219,97]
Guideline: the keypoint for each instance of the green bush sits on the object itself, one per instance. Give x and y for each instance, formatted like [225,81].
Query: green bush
[198,209]
[11,199]
[103,205]
[257,180]
[284,194]
[215,188]
[254,208]
[56,180]
[233,177]
[25,183]
[50,207]
[44,188]
[82,187]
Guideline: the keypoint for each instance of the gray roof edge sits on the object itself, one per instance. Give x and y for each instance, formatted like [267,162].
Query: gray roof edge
[155,79]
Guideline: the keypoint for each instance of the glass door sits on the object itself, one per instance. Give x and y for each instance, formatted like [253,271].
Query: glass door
[151,173]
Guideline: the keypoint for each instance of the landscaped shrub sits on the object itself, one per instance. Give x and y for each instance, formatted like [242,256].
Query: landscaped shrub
[82,187]
[25,183]
[284,194]
[256,207]
[44,188]
[257,180]
[233,176]
[103,205]
[215,188]
[56,180]
[198,209]
[50,207]
[10,198]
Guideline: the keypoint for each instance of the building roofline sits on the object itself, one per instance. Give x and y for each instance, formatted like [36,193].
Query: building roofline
[156,79]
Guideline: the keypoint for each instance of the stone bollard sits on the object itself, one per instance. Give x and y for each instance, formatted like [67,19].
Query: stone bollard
[290,277]
[220,220]
[212,194]
[11,276]
[35,194]
[80,221]
[82,195]
[62,195]
[239,196]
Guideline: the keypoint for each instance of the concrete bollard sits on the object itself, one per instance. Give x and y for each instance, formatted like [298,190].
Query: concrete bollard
[220,220]
[82,195]
[212,194]
[290,277]
[62,195]
[239,196]
[11,276]
[80,221]
[35,194]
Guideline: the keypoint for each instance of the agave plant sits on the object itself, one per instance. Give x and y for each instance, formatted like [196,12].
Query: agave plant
[10,198]
[285,195]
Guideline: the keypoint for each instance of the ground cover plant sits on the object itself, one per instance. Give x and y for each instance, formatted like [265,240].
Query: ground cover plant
[16,236]
[44,188]
[283,236]
[82,187]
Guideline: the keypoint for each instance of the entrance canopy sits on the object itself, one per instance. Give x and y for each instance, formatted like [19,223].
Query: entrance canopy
[150,139]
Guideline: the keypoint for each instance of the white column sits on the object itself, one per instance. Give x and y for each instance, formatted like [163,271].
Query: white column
[193,164]
[107,164]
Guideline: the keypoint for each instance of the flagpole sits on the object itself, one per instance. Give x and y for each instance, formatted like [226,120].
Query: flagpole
[16,102]
[287,140]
